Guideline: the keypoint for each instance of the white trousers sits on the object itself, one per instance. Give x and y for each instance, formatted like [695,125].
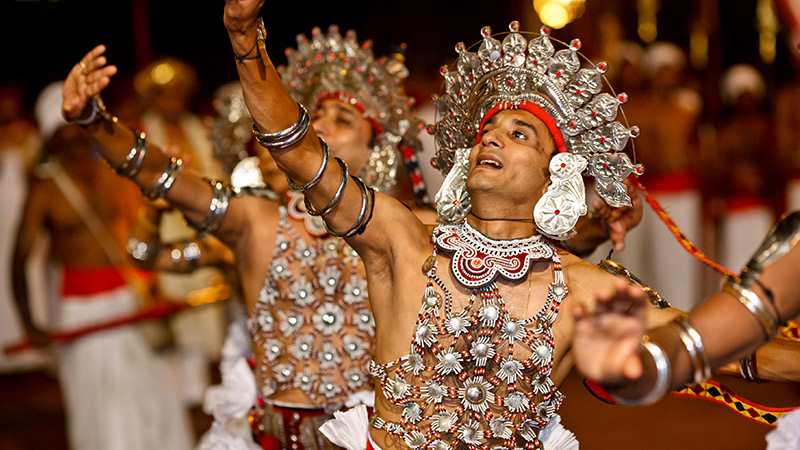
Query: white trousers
[114,387]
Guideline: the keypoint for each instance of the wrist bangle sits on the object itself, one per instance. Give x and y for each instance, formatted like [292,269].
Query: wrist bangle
[98,107]
[662,376]
[285,138]
[164,183]
[694,345]
[748,368]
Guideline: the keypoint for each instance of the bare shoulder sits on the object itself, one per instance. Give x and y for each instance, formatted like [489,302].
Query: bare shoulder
[583,277]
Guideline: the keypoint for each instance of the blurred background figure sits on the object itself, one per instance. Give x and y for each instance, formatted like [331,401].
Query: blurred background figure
[167,88]
[745,180]
[786,116]
[19,149]
[667,112]
[115,389]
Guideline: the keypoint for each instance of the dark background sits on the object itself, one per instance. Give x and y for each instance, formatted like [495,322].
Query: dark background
[41,40]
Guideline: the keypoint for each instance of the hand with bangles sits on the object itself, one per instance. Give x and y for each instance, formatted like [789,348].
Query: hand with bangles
[716,332]
[86,79]
[606,345]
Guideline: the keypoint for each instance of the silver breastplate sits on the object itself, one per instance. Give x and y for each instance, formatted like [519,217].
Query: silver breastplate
[312,319]
[476,377]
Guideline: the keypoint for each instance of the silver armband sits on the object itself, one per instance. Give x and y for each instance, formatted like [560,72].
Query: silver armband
[133,163]
[320,172]
[164,183]
[190,253]
[336,197]
[142,251]
[747,297]
[98,112]
[216,209]
[694,345]
[285,138]
[362,219]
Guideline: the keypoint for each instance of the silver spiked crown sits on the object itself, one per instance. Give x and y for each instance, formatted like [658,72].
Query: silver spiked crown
[335,66]
[517,70]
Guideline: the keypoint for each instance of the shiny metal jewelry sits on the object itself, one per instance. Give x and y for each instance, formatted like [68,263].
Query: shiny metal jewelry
[216,209]
[694,345]
[142,251]
[285,138]
[516,71]
[748,367]
[164,183]
[662,377]
[98,112]
[133,163]
[322,168]
[616,268]
[754,304]
[362,218]
[336,197]
[336,66]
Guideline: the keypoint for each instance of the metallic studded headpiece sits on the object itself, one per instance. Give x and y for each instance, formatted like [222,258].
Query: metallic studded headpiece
[231,129]
[332,66]
[518,73]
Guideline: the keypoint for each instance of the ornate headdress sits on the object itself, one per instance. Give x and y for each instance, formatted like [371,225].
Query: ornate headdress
[232,125]
[332,66]
[531,75]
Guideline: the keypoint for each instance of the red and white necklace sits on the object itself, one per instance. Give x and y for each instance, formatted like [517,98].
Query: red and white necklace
[477,259]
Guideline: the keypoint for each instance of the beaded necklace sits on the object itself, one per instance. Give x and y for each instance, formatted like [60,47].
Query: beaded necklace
[478,377]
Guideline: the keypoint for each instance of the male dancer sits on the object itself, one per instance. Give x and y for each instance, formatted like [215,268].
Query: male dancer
[476,361]
[309,320]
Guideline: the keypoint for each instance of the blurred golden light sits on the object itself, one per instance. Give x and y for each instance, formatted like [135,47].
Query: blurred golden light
[557,13]
[162,73]
[554,15]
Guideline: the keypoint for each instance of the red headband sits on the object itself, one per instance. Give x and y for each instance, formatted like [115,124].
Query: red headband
[534,109]
[347,98]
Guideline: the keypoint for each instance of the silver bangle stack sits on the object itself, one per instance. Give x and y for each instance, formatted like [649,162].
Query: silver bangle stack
[662,377]
[98,112]
[288,137]
[141,251]
[770,323]
[133,163]
[320,172]
[190,253]
[164,183]
[367,203]
[336,197]
[216,209]
[694,345]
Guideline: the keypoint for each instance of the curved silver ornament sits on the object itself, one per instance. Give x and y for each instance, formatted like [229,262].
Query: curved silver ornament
[559,209]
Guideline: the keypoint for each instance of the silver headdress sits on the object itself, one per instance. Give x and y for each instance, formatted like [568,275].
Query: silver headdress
[231,127]
[520,72]
[332,66]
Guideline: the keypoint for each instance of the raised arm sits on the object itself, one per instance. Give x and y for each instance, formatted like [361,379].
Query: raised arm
[203,204]
[282,126]
[726,327]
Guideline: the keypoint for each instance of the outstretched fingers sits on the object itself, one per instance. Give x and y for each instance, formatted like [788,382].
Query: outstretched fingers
[607,338]
[86,79]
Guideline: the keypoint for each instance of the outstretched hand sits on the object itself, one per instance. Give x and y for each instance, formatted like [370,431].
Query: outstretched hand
[86,79]
[606,342]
